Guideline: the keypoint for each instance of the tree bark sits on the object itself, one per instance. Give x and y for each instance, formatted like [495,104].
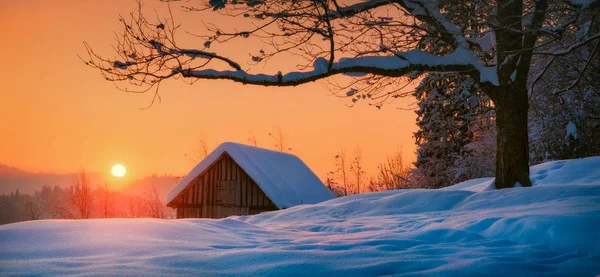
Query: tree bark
[512,154]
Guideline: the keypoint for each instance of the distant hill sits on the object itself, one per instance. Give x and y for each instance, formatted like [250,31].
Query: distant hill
[12,178]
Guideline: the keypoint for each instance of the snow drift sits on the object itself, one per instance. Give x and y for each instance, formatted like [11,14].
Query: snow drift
[466,230]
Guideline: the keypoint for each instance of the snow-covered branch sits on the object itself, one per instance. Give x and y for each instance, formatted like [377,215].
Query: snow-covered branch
[359,7]
[428,11]
[193,53]
[391,66]
[569,49]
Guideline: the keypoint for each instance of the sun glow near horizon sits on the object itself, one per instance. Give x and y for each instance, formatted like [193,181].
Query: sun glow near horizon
[118,170]
[155,141]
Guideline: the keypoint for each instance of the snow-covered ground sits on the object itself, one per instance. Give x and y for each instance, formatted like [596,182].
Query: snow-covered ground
[552,229]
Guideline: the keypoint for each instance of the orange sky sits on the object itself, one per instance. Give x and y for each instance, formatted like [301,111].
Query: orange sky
[57,115]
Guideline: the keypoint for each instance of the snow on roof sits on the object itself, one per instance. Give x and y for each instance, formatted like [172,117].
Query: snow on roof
[283,177]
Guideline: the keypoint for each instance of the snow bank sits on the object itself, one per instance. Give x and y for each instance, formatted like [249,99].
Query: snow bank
[468,230]
[584,171]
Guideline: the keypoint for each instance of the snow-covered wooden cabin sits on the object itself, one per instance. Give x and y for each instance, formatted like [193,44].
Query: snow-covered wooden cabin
[238,179]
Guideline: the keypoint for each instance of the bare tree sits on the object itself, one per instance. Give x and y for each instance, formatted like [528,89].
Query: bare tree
[59,203]
[280,140]
[393,173]
[372,185]
[334,187]
[381,44]
[80,195]
[201,150]
[152,204]
[356,168]
[107,201]
[252,139]
[60,210]
[135,206]
[34,207]
[339,177]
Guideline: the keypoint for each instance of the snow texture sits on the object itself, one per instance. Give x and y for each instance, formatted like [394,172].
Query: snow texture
[284,178]
[571,131]
[550,229]
[320,65]
[487,42]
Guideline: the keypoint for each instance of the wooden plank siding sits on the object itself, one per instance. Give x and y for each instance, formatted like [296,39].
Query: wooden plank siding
[223,189]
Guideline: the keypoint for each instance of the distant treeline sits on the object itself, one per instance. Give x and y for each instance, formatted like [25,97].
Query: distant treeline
[349,177]
[80,201]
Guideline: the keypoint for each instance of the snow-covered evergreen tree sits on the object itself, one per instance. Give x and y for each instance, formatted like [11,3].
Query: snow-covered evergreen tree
[477,157]
[564,121]
[449,105]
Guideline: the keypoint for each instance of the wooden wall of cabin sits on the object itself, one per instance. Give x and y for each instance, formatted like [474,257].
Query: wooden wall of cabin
[222,190]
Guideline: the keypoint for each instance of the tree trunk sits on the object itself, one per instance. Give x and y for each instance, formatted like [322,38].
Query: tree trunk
[512,154]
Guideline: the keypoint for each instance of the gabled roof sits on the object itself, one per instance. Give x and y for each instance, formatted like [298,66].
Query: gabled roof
[283,177]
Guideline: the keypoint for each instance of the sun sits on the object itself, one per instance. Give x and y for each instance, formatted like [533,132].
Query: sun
[118,170]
